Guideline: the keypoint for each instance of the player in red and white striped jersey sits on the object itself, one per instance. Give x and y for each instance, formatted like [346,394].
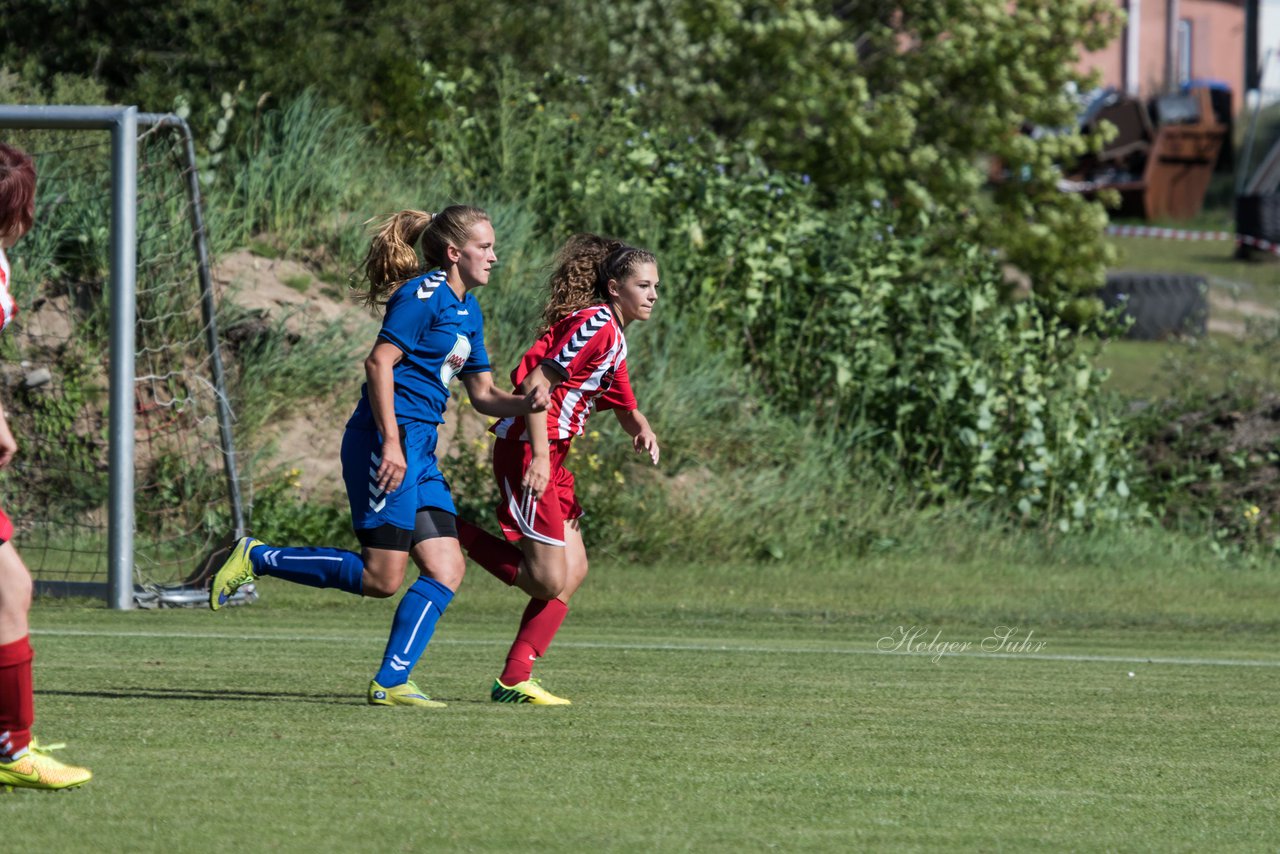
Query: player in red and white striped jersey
[587,352]
[599,286]
[23,763]
[8,308]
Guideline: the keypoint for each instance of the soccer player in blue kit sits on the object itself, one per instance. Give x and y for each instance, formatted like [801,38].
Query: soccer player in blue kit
[432,331]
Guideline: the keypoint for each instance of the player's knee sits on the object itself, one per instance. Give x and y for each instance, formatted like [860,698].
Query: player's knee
[451,576]
[378,589]
[448,573]
[381,585]
[544,588]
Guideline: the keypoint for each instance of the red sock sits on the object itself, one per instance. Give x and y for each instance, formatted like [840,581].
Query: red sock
[498,556]
[541,621]
[17,708]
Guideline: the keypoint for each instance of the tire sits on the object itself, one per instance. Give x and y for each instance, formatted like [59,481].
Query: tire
[1161,304]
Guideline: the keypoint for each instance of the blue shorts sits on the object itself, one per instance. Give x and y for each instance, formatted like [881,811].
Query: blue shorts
[423,485]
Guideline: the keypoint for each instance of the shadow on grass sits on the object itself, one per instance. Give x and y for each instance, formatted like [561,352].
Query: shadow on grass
[231,694]
[149,693]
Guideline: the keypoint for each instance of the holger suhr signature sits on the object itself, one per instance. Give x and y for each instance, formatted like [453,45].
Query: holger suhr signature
[920,640]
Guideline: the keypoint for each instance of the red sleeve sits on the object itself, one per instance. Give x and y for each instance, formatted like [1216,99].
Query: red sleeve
[580,341]
[531,359]
[618,395]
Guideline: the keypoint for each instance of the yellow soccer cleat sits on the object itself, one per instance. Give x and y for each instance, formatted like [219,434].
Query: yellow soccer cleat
[235,572]
[528,691]
[407,694]
[36,769]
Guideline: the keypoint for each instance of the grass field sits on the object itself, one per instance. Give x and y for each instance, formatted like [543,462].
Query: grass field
[1257,280]
[1239,291]
[716,709]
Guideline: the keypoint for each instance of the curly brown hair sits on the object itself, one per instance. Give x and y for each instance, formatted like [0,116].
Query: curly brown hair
[392,259]
[17,190]
[583,268]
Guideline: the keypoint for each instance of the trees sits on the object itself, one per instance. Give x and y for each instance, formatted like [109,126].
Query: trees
[814,173]
[909,101]
[901,100]
[150,51]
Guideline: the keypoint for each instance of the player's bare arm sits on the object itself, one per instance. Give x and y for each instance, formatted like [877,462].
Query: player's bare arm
[643,439]
[379,371]
[488,399]
[8,445]
[538,474]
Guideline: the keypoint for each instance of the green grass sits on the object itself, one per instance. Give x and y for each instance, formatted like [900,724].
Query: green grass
[1153,370]
[1241,293]
[264,249]
[300,282]
[1214,364]
[1254,280]
[1135,366]
[717,708]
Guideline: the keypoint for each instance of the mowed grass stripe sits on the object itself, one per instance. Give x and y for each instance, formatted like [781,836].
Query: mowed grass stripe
[693,647]
[268,745]
[249,730]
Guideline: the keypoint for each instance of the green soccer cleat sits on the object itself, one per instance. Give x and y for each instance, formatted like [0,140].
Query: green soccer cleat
[407,694]
[528,691]
[235,572]
[36,769]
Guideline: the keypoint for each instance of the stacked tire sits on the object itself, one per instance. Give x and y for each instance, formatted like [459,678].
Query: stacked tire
[1161,305]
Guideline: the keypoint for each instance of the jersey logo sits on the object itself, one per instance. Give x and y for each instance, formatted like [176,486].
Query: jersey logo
[430,283]
[584,333]
[455,359]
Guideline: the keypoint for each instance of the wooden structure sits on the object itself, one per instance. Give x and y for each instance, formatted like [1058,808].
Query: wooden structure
[1161,171]
[1179,166]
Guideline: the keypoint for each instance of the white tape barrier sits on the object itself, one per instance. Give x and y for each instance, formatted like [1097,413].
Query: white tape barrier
[1188,234]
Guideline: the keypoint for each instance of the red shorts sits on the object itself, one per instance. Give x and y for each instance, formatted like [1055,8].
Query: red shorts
[544,519]
[6,528]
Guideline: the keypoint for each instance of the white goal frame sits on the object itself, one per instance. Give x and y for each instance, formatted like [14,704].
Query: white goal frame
[122,123]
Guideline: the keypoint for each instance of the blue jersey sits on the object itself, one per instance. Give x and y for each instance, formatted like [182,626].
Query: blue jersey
[441,336]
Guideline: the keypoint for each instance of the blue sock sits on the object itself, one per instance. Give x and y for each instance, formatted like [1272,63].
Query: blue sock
[411,629]
[322,567]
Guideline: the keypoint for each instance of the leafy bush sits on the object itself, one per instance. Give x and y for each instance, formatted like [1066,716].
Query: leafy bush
[908,100]
[900,341]
[1209,447]
[280,513]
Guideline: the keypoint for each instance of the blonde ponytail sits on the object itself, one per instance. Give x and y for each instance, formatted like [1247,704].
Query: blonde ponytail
[393,259]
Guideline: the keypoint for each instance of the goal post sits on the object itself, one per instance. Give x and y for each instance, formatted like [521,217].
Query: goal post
[188,387]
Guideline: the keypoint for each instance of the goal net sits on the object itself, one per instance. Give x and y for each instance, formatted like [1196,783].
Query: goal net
[57,364]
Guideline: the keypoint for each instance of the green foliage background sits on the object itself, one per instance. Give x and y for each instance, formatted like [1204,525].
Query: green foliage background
[834,330]
[905,99]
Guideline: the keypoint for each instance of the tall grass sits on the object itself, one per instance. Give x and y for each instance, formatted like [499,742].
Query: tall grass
[739,480]
[310,176]
[296,170]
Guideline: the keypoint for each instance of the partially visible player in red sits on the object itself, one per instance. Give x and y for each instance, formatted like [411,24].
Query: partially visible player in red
[23,762]
[598,287]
